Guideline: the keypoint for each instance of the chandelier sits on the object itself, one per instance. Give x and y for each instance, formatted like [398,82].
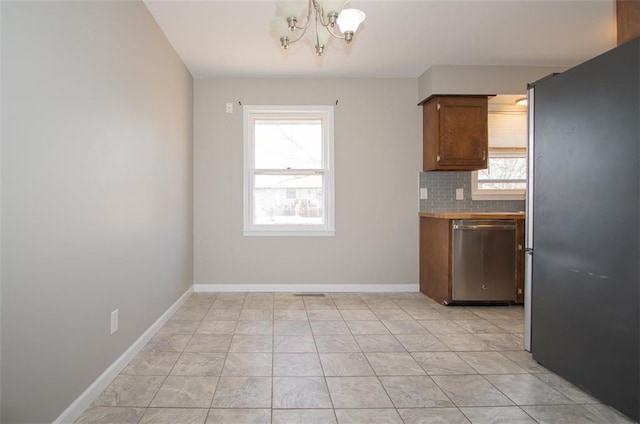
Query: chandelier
[319,18]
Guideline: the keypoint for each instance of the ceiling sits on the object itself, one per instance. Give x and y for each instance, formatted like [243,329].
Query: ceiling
[399,38]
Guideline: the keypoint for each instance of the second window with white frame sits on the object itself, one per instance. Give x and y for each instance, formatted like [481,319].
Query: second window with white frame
[288,170]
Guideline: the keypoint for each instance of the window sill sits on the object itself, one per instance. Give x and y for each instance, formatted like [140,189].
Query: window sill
[498,195]
[287,233]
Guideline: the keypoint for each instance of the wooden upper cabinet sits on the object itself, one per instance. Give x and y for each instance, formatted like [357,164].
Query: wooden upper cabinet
[455,135]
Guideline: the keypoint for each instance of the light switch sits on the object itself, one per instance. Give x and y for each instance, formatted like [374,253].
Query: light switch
[459,194]
[229,107]
[424,193]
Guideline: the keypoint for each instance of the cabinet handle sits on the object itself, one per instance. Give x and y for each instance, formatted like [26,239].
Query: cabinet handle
[438,158]
[438,106]
[484,155]
[519,247]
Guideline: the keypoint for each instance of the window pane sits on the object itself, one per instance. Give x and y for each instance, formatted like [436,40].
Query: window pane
[288,200]
[504,173]
[288,144]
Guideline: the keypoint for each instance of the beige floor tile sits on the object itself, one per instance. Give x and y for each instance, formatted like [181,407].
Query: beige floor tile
[243,392]
[443,327]
[248,364]
[568,414]
[291,328]
[130,390]
[379,343]
[338,343]
[208,343]
[223,314]
[527,390]
[471,390]
[425,314]
[358,315]
[151,363]
[392,315]
[357,392]
[185,392]
[463,342]
[294,344]
[296,365]
[394,363]
[479,326]
[174,415]
[325,328]
[606,414]
[250,343]
[524,360]
[239,416]
[408,326]
[304,416]
[290,315]
[510,326]
[502,341]
[166,342]
[110,415]
[421,343]
[199,364]
[300,392]
[415,392]
[324,315]
[367,327]
[264,328]
[256,315]
[216,327]
[433,416]
[442,363]
[369,416]
[566,388]
[497,415]
[185,313]
[491,363]
[174,326]
[345,364]
[288,305]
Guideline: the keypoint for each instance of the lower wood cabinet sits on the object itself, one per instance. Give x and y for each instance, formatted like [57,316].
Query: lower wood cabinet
[436,259]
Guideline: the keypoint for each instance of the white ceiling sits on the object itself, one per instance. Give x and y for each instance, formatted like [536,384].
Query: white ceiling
[399,39]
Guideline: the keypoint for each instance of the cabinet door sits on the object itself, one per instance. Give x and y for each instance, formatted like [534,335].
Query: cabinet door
[462,133]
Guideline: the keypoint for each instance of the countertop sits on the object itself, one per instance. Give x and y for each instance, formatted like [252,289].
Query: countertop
[473,215]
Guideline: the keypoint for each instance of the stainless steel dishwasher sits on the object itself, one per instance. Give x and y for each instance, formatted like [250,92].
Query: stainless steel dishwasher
[484,260]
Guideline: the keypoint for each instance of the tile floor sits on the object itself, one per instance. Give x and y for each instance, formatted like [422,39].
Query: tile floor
[342,359]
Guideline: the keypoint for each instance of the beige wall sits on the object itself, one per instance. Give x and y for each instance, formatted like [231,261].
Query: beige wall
[97,193]
[458,79]
[377,160]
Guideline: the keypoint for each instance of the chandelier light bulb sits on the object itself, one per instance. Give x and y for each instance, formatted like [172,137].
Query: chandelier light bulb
[350,19]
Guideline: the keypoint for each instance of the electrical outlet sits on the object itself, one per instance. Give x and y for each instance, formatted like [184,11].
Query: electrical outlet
[229,107]
[114,321]
[424,193]
[459,194]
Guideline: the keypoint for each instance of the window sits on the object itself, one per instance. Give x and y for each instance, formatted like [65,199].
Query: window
[506,175]
[288,170]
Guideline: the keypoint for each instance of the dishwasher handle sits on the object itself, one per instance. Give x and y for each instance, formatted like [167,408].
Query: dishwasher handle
[484,225]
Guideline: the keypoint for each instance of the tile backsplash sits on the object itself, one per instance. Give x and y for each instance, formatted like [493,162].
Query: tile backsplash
[442,195]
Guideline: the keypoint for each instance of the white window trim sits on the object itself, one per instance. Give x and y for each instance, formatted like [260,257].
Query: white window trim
[494,194]
[326,229]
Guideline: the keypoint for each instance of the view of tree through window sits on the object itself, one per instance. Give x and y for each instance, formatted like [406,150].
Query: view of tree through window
[288,180]
[504,172]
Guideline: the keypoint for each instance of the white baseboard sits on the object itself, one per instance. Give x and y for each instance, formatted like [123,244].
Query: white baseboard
[84,400]
[306,288]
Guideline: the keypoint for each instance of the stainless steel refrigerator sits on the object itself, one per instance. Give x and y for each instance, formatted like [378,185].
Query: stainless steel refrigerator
[582,309]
